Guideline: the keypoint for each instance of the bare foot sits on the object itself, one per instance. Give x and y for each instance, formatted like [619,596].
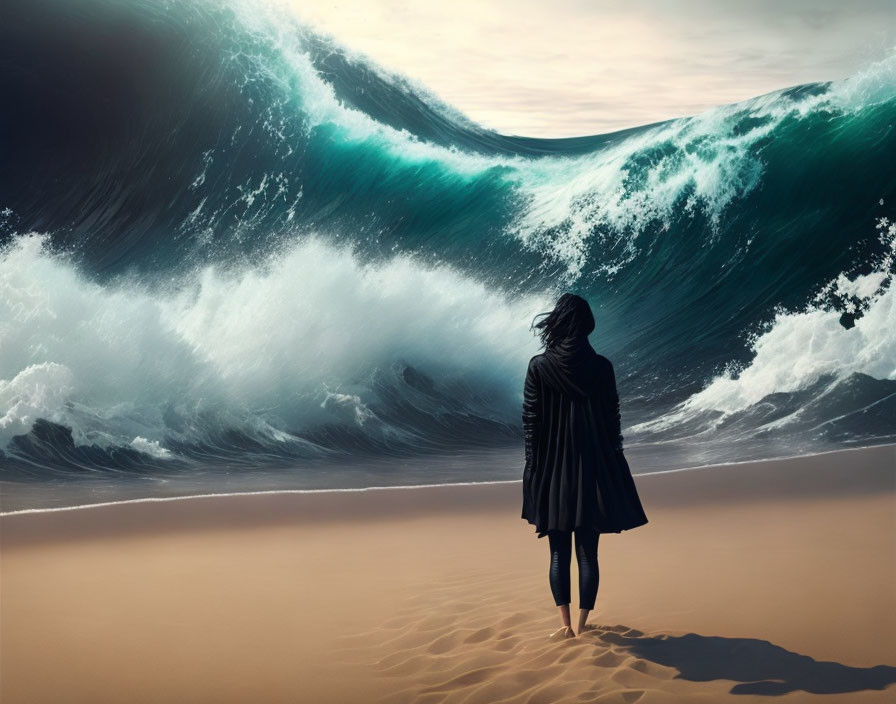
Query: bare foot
[589,627]
[562,634]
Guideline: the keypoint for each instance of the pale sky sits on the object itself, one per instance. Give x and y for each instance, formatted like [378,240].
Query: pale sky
[560,68]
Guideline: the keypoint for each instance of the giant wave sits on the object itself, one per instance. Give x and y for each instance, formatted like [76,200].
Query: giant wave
[226,239]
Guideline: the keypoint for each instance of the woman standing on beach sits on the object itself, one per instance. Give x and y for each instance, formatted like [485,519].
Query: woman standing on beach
[576,477]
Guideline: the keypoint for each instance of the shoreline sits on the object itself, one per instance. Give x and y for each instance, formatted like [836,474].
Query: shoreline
[277,492]
[773,578]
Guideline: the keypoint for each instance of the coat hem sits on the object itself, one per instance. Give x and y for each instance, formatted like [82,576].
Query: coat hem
[542,532]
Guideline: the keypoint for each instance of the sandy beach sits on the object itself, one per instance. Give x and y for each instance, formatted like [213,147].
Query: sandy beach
[766,581]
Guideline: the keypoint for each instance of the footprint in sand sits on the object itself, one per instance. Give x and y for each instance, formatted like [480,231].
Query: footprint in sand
[480,635]
[514,619]
[506,644]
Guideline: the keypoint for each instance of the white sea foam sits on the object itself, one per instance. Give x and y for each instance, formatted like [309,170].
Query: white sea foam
[266,351]
[151,448]
[871,85]
[37,391]
[800,348]
[570,201]
[700,163]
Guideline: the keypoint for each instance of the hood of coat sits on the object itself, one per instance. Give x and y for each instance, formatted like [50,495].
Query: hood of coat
[571,366]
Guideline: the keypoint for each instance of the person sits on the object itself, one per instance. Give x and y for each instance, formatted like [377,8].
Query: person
[576,478]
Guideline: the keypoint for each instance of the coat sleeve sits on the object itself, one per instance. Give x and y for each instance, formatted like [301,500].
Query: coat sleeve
[531,419]
[614,410]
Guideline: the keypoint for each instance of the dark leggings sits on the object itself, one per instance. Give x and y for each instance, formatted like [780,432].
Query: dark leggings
[561,557]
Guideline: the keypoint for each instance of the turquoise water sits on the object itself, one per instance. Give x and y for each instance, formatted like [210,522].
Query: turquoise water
[228,241]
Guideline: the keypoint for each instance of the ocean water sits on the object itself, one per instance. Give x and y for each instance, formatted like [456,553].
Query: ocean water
[232,250]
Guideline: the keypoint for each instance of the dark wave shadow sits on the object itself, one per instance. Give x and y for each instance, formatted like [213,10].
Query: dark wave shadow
[761,667]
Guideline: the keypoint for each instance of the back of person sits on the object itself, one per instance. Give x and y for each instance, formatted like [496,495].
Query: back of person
[576,477]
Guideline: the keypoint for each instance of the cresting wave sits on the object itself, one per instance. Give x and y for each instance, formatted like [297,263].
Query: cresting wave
[313,353]
[818,348]
[227,239]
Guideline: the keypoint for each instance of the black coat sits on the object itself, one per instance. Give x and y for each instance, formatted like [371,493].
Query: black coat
[576,474]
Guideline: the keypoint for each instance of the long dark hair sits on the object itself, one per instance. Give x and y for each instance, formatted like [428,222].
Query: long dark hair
[571,317]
